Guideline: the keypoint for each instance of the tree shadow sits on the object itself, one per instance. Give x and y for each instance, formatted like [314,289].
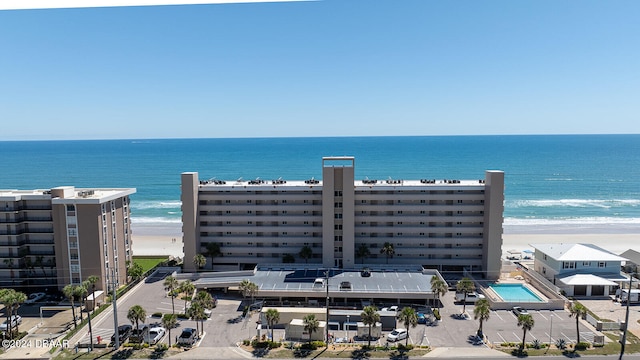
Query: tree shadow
[301,353]
[399,354]
[122,354]
[360,353]
[571,354]
[519,352]
[260,352]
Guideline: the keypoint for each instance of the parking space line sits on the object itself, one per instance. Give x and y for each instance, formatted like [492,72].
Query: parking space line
[550,337]
[558,316]
[517,337]
[534,338]
[544,317]
[503,339]
[568,338]
[499,317]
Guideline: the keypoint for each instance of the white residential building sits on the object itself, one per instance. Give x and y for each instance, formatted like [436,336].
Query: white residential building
[579,269]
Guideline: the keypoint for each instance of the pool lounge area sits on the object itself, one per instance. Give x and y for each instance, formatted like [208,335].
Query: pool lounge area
[504,295]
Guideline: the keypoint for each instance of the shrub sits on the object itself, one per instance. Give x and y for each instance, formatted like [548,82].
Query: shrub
[436,313]
[582,345]
[162,347]
[182,316]
[264,344]
[561,344]
[157,314]
[402,347]
[246,342]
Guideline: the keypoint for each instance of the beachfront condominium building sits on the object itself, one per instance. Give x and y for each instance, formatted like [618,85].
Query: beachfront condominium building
[54,237]
[341,222]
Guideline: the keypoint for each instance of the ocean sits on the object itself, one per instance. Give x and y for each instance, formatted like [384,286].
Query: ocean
[562,183]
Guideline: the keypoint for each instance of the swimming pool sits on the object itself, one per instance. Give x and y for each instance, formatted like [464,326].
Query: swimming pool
[515,293]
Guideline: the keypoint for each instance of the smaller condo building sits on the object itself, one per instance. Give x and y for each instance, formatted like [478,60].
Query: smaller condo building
[59,236]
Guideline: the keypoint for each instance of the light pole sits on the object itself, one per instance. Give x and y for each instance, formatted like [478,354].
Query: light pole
[326,326]
[348,328]
[626,319]
[550,331]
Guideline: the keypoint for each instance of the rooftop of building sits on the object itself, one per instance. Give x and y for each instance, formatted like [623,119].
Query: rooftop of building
[391,280]
[71,194]
[310,183]
[577,252]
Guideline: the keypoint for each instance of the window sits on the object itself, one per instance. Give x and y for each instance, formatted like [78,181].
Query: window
[337,205]
[586,263]
[337,227]
[602,264]
[337,216]
[568,264]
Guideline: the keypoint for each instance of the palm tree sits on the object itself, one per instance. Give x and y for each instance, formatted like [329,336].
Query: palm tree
[11,300]
[187,288]
[387,250]
[196,313]
[408,317]
[306,253]
[136,314]
[69,292]
[362,252]
[80,292]
[526,323]
[247,288]
[465,285]
[199,261]
[370,317]
[577,310]
[213,251]
[311,324]
[272,316]
[91,281]
[169,321]
[170,285]
[204,301]
[438,287]
[481,312]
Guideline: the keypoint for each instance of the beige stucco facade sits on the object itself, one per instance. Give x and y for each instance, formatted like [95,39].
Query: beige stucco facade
[442,224]
[64,235]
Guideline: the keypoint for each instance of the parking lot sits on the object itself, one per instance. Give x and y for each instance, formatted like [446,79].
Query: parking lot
[227,327]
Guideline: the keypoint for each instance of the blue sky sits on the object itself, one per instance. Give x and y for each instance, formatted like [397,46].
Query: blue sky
[322,68]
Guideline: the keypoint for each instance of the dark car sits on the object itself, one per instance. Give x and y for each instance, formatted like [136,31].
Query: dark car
[187,337]
[124,331]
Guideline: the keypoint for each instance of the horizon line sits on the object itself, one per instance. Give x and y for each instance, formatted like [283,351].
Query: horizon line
[315,137]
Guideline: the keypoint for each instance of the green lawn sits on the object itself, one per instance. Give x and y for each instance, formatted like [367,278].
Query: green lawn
[148,262]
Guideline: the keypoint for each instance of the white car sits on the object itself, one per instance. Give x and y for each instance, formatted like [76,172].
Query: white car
[390,308]
[15,321]
[35,297]
[156,334]
[397,334]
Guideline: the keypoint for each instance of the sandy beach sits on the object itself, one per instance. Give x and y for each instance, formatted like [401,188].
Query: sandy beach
[161,241]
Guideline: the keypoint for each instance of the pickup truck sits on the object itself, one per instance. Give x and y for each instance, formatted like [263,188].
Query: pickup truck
[472,297]
[187,337]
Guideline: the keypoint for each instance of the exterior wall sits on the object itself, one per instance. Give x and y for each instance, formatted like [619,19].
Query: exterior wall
[55,236]
[493,219]
[190,224]
[442,224]
[551,268]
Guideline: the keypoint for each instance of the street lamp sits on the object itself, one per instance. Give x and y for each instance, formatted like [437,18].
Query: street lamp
[550,331]
[348,328]
[626,318]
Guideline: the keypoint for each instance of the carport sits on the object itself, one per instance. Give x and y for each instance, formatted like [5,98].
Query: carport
[586,285]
